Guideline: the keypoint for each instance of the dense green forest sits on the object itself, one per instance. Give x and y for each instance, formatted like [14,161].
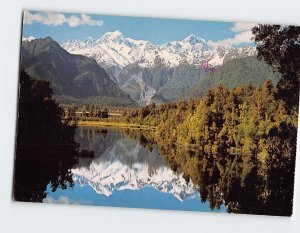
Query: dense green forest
[234,73]
[224,138]
[234,140]
[239,143]
[100,102]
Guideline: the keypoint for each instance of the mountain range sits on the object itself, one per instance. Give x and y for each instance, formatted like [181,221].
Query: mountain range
[114,49]
[144,70]
[73,78]
[121,163]
[118,71]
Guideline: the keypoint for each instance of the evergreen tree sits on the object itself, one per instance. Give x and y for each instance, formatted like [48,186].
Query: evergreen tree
[279,46]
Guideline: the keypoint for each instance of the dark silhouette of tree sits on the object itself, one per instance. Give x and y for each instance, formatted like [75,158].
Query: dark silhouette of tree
[104,113]
[45,147]
[279,46]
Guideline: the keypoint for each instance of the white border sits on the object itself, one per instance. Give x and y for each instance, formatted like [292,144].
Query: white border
[22,217]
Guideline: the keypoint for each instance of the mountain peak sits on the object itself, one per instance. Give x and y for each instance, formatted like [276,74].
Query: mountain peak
[47,41]
[48,38]
[193,39]
[113,37]
[117,33]
[89,39]
[114,34]
[28,39]
[47,60]
[113,49]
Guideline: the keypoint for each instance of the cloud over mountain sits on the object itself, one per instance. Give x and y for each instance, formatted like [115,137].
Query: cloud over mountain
[243,35]
[241,27]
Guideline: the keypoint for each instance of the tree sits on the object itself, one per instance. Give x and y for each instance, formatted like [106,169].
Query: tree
[279,46]
[104,113]
[45,147]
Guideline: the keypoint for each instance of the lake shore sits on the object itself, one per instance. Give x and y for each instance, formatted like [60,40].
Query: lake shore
[115,124]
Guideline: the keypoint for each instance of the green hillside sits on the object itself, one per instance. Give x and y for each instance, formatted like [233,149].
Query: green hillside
[184,77]
[234,73]
[70,76]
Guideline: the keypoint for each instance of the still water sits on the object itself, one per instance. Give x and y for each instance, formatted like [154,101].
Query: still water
[126,170]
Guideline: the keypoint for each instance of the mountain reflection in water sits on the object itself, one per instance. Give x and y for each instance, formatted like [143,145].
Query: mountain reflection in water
[131,169]
[123,163]
[127,166]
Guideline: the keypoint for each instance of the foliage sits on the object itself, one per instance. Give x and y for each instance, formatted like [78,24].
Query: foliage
[234,73]
[184,77]
[98,101]
[45,147]
[238,145]
[230,142]
[279,46]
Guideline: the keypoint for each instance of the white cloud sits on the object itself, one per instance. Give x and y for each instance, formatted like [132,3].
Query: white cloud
[86,19]
[57,19]
[60,200]
[240,38]
[65,200]
[241,27]
[243,35]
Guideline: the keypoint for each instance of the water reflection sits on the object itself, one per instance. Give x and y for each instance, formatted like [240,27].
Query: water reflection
[118,167]
[126,160]
[133,160]
[45,147]
[244,184]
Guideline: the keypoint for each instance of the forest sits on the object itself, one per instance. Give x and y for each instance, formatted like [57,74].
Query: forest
[234,141]
[236,144]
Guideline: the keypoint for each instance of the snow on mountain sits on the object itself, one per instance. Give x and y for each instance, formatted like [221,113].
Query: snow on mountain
[114,49]
[128,166]
[106,178]
[113,37]
[193,40]
[114,52]
[28,39]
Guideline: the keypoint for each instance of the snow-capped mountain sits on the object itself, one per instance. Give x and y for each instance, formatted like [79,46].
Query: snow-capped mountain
[116,53]
[126,165]
[113,48]
[106,178]
[28,39]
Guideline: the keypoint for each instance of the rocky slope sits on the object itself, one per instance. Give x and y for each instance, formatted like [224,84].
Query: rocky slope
[118,55]
[71,76]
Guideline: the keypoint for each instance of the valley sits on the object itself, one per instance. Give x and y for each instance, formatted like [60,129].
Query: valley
[155,73]
[186,124]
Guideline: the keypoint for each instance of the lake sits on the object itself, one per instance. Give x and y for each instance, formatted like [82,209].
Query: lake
[127,170]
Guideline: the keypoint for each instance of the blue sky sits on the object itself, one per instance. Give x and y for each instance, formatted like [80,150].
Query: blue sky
[64,26]
[143,198]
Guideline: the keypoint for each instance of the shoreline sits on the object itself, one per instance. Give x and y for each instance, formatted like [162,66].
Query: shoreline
[115,124]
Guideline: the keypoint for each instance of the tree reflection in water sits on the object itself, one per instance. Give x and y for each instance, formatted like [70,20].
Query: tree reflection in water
[242,184]
[46,151]
[45,148]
